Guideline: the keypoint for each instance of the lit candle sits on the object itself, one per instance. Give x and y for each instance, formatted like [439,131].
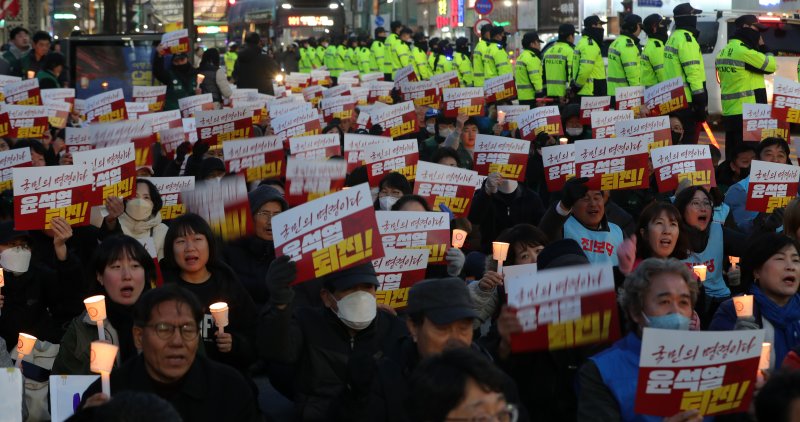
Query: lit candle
[31,74]
[734,260]
[563,141]
[104,85]
[501,117]
[101,360]
[743,306]
[25,345]
[2,283]
[200,78]
[219,311]
[96,308]
[500,252]
[766,357]
[700,272]
[459,236]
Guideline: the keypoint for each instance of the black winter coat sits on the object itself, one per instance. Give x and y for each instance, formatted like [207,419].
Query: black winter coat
[254,69]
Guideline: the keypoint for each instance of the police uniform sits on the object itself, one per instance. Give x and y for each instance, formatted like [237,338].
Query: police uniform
[479,75]
[464,67]
[624,64]
[528,77]
[588,66]
[557,68]
[653,63]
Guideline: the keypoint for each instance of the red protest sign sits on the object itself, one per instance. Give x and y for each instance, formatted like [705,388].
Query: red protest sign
[540,119]
[501,88]
[400,156]
[189,106]
[316,147]
[339,90]
[424,93]
[170,189]
[713,372]
[758,124]
[772,186]
[114,170]
[673,164]
[5,80]
[361,95]
[355,146]
[321,77]
[496,154]
[176,41]
[118,133]
[163,120]
[216,126]
[329,234]
[223,204]
[144,150]
[23,92]
[463,100]
[614,163]
[135,110]
[9,160]
[43,193]
[405,74]
[66,95]
[283,106]
[26,121]
[653,130]
[396,120]
[630,98]
[307,180]
[666,97]
[559,165]
[153,96]
[259,158]
[603,122]
[301,123]
[5,124]
[397,271]
[58,112]
[313,94]
[258,107]
[452,186]
[786,100]
[446,80]
[240,95]
[106,107]
[341,108]
[416,229]
[77,139]
[562,308]
[380,91]
[590,105]
[507,115]
[298,81]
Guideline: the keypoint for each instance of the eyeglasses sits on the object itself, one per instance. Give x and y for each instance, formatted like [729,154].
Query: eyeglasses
[165,331]
[510,413]
[701,204]
[268,214]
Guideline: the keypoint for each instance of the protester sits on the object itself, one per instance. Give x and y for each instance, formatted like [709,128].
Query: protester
[19,46]
[215,79]
[658,235]
[179,77]
[139,217]
[390,189]
[253,69]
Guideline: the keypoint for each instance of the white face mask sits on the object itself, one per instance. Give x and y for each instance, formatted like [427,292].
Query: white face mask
[444,133]
[386,202]
[16,259]
[357,310]
[430,128]
[139,209]
[574,131]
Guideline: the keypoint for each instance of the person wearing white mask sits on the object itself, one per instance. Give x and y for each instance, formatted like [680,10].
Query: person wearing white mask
[139,217]
[320,341]
[37,300]
[438,129]
[391,188]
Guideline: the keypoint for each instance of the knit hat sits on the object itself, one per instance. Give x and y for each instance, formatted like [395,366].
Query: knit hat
[263,194]
[561,253]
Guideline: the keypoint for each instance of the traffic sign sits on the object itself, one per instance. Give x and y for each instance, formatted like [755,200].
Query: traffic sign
[484,7]
[650,3]
[379,20]
[479,24]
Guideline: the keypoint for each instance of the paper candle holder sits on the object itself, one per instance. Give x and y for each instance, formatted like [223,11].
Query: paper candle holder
[501,117]
[743,306]
[25,344]
[102,356]
[459,236]
[200,78]
[563,141]
[219,311]
[96,307]
[700,271]
[766,356]
[500,251]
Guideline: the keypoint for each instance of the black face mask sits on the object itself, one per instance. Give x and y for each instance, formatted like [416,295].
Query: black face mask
[676,137]
[503,42]
[422,46]
[661,34]
[181,68]
[748,36]
[595,34]
[381,39]
[686,21]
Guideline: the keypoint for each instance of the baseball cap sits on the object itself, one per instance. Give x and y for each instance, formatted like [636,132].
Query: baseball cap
[530,37]
[750,20]
[593,20]
[685,9]
[566,29]
[443,301]
[351,277]
[561,253]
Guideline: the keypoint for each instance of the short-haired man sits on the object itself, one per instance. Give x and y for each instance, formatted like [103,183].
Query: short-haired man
[19,46]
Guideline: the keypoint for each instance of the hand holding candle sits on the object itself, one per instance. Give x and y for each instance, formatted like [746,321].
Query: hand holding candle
[563,141]
[96,308]
[25,345]
[2,283]
[501,117]
[219,311]
[459,236]
[499,253]
[700,272]
[765,360]
[734,260]
[743,306]
[102,358]
[200,78]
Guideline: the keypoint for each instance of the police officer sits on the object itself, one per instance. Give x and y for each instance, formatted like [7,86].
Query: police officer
[367,63]
[322,45]
[393,43]
[528,72]
[624,67]
[333,61]
[230,58]
[443,58]
[311,50]
[304,65]
[588,69]
[402,51]
[656,27]
[378,49]
[558,63]
[344,50]
[683,58]
[419,54]
[462,62]
[481,48]
[741,68]
[495,60]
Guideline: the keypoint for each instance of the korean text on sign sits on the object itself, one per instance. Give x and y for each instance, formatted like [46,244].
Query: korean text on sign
[397,271]
[452,186]
[415,229]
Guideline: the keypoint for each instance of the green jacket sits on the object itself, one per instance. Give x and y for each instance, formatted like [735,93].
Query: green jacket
[624,64]
[312,55]
[558,68]
[403,53]
[304,65]
[528,76]
[393,43]
[43,76]
[230,60]
[464,67]
[682,58]
[740,70]
[444,65]
[653,71]
[344,55]
[421,65]
[320,54]
[73,353]
[495,61]
[479,75]
[366,61]
[333,61]
[587,65]
[379,53]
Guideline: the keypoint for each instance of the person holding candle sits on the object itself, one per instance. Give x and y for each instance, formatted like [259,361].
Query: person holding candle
[123,271]
[167,331]
[771,270]
[138,217]
[191,260]
[709,244]
[659,294]
[215,79]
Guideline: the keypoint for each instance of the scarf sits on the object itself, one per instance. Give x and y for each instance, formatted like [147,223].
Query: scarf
[121,318]
[138,229]
[785,319]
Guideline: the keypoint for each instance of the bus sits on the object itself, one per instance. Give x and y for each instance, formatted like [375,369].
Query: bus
[299,23]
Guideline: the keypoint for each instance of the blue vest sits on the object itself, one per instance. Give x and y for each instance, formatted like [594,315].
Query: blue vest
[600,246]
[721,213]
[711,257]
[619,368]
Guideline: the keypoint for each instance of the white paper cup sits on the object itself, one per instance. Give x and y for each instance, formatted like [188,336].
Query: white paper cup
[219,311]
[25,344]
[766,356]
[499,251]
[102,356]
[743,306]
[700,271]
[459,236]
[96,307]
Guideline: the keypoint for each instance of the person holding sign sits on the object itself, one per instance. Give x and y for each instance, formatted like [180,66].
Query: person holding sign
[179,78]
[191,260]
[139,217]
[124,270]
[660,293]
[463,138]
[771,267]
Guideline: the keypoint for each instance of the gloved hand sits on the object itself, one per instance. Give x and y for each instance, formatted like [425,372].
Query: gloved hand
[734,276]
[699,104]
[574,189]
[748,323]
[455,261]
[282,271]
[574,89]
[492,183]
